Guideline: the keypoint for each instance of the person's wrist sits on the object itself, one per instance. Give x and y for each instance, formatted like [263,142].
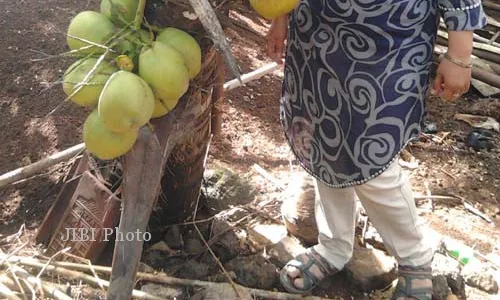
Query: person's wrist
[464,62]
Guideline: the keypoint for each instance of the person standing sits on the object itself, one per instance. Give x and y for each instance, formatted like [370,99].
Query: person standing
[355,79]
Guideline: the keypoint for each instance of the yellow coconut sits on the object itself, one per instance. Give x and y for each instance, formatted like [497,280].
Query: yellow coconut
[186,45]
[88,94]
[104,143]
[119,11]
[126,102]
[89,26]
[271,9]
[163,68]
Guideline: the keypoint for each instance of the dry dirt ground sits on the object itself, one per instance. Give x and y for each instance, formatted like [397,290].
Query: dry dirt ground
[31,31]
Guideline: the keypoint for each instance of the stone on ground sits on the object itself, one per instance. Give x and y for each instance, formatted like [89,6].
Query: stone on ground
[254,272]
[284,251]
[224,188]
[371,269]
[163,291]
[441,290]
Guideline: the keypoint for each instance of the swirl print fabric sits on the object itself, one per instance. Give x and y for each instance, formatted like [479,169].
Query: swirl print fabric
[356,75]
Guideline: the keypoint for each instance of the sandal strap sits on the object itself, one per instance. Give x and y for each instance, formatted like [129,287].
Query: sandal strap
[323,265]
[406,289]
[311,280]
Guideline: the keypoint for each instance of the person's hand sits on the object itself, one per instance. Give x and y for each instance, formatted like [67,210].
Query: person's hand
[452,80]
[276,39]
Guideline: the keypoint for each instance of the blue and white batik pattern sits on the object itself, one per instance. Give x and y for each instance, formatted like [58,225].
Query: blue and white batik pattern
[356,75]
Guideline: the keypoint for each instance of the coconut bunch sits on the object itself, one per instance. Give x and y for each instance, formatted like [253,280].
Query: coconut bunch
[126,72]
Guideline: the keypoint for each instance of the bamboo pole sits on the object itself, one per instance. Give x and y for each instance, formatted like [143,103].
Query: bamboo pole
[33,169]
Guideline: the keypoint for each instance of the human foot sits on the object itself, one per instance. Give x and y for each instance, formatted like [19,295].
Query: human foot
[414,283]
[302,274]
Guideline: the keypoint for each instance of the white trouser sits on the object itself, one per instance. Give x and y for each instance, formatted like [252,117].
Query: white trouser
[389,203]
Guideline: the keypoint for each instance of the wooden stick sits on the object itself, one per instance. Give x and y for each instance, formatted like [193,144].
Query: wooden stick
[76,275]
[8,293]
[491,5]
[57,267]
[47,287]
[254,75]
[32,169]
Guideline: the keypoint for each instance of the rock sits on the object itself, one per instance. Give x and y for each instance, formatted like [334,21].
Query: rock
[371,269]
[298,209]
[450,269]
[224,188]
[145,268]
[285,250]
[161,247]
[373,238]
[155,259]
[264,235]
[193,246]
[165,292]
[227,245]
[477,294]
[192,270]
[444,265]
[456,282]
[253,271]
[173,238]
[441,291]
[223,291]
[483,280]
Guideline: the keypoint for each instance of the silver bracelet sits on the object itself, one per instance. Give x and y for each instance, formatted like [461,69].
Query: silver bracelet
[458,62]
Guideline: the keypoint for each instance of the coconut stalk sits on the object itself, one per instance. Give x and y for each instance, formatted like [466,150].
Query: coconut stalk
[139,15]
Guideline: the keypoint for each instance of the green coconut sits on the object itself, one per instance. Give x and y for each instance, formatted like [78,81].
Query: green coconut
[163,68]
[104,143]
[89,26]
[186,45]
[119,11]
[88,94]
[126,102]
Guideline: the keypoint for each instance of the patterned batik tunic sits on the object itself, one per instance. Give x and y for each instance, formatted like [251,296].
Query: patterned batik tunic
[356,75]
